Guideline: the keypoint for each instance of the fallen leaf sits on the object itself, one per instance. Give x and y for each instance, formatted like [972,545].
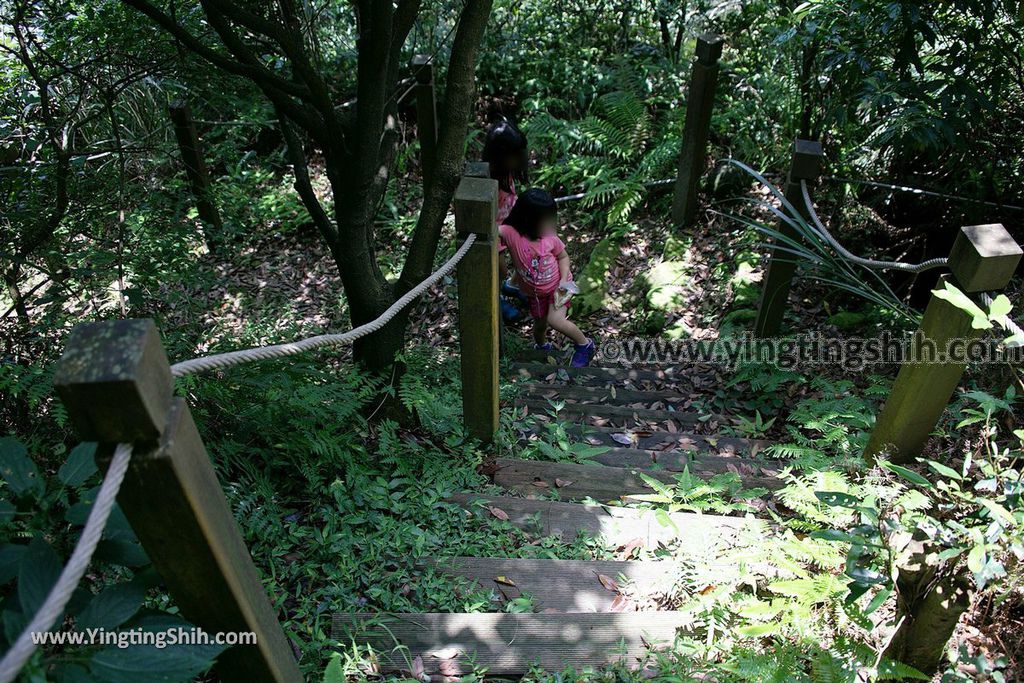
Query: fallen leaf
[499,513]
[621,604]
[445,653]
[630,546]
[623,439]
[608,582]
[504,580]
[562,483]
[540,483]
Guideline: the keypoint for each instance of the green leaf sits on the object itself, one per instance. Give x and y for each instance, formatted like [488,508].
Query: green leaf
[112,607]
[17,468]
[945,471]
[976,559]
[998,511]
[79,466]
[151,663]
[10,560]
[758,630]
[837,499]
[910,475]
[334,673]
[7,511]
[38,570]
[1000,307]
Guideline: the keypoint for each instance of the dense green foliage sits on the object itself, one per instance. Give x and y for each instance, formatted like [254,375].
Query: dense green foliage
[338,499]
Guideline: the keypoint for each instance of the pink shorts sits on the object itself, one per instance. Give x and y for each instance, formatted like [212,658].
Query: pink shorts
[541,303]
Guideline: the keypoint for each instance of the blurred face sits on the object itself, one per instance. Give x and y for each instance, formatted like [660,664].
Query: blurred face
[548,226]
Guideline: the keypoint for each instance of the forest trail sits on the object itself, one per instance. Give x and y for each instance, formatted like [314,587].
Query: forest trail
[637,426]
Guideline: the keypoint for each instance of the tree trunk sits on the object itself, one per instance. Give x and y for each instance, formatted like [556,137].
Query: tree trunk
[930,599]
[928,624]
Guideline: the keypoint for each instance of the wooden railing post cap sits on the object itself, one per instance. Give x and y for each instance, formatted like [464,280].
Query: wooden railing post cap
[115,381]
[984,257]
[808,158]
[476,207]
[709,48]
[179,106]
[477,169]
[423,68]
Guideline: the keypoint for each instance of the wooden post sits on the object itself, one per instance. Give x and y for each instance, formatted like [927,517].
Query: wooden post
[476,209]
[426,112]
[115,381]
[198,176]
[482,169]
[806,165]
[700,102]
[984,258]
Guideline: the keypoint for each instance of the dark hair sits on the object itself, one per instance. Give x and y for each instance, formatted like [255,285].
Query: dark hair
[530,209]
[504,141]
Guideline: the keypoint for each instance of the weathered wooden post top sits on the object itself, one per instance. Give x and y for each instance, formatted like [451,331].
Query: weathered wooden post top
[983,258]
[700,102]
[426,111]
[476,211]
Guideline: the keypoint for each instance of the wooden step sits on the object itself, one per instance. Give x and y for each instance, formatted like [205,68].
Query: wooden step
[616,526]
[552,372]
[606,395]
[449,644]
[764,471]
[561,585]
[662,440]
[612,413]
[569,481]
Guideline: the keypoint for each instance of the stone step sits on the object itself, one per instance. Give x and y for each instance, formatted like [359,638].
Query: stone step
[615,526]
[561,585]
[507,644]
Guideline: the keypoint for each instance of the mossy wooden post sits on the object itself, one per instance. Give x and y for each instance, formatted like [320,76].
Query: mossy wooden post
[115,381]
[983,258]
[426,111]
[481,169]
[806,165]
[700,102]
[476,210]
[198,176]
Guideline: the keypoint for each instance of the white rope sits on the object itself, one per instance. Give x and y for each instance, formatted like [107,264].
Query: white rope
[929,193]
[866,262]
[224,360]
[60,594]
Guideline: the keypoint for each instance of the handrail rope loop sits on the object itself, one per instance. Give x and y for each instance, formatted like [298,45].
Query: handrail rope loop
[58,597]
[230,358]
[866,262]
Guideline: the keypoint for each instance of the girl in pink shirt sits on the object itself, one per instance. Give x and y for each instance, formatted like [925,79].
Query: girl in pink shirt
[542,270]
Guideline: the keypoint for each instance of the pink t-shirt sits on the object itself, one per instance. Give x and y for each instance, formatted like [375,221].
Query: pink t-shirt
[536,262]
[506,200]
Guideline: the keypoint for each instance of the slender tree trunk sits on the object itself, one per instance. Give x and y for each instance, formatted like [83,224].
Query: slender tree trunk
[929,622]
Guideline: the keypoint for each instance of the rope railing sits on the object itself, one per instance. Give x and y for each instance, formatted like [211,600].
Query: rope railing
[850,256]
[927,193]
[57,599]
[984,297]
